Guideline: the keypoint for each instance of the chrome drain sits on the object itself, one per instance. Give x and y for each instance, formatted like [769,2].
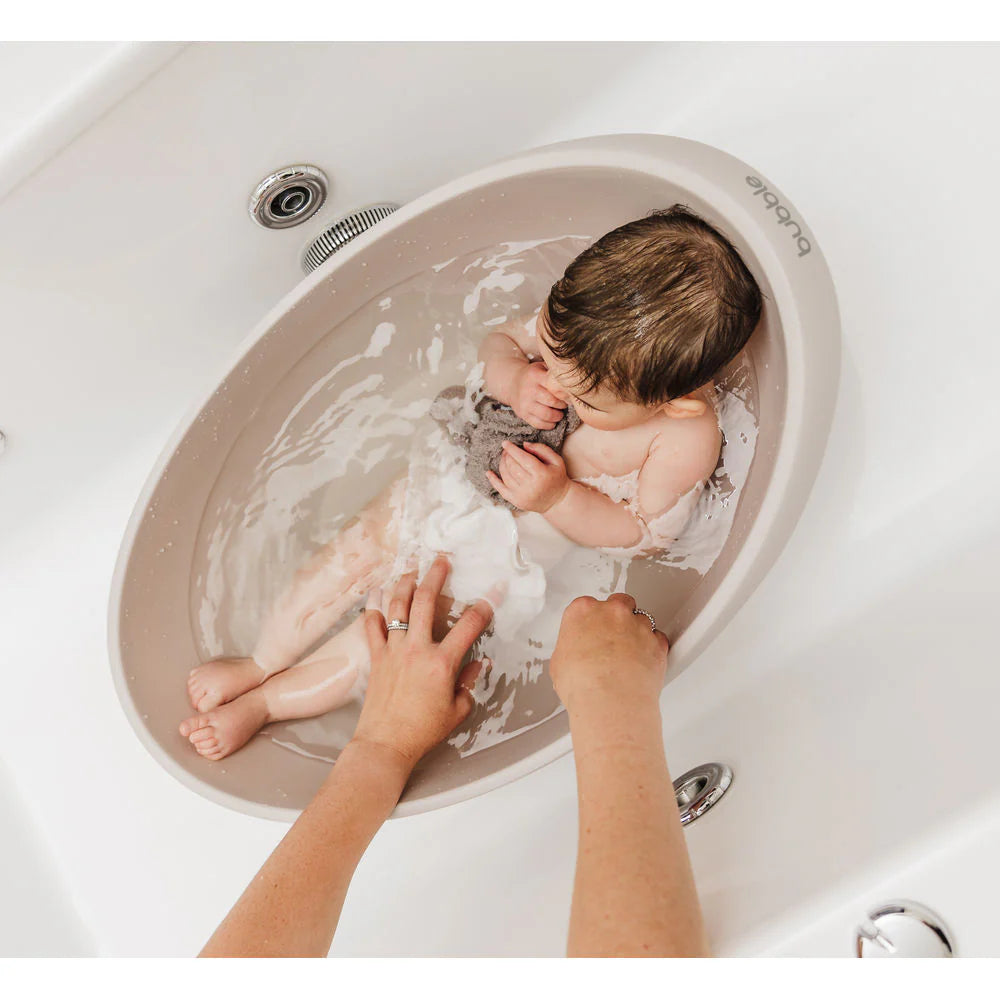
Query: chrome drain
[902,928]
[288,197]
[701,788]
[337,236]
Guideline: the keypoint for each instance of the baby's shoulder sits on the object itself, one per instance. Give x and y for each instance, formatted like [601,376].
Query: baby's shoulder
[689,446]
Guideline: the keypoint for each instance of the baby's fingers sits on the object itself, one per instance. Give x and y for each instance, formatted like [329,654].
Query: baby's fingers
[543,452]
[546,398]
[498,484]
[540,420]
[519,457]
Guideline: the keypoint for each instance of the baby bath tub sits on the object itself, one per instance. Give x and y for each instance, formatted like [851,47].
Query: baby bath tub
[583,186]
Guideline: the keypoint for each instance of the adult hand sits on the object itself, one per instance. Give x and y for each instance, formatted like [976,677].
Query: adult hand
[533,402]
[607,659]
[417,693]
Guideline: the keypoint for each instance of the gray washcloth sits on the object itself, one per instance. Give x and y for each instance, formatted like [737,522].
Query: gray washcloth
[483,439]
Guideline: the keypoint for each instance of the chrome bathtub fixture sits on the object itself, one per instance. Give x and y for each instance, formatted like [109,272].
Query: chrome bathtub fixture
[334,237]
[700,788]
[288,197]
[903,929]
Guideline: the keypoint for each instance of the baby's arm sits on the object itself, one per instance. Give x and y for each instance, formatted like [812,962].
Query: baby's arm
[534,478]
[514,376]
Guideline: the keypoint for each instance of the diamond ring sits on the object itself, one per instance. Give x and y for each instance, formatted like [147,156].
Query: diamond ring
[397,626]
[652,620]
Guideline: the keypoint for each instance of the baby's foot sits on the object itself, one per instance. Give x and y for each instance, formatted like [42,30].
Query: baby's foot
[218,681]
[223,731]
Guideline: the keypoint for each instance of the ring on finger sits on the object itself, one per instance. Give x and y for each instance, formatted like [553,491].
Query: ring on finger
[399,606]
[652,620]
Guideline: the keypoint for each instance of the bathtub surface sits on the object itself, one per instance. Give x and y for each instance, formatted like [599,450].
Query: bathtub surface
[865,661]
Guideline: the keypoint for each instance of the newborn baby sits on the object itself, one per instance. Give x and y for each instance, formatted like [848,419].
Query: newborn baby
[631,338]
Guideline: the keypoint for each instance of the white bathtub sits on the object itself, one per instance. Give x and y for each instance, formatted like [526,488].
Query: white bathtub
[853,695]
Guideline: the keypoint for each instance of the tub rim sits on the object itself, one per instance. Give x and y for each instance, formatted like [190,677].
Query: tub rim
[798,455]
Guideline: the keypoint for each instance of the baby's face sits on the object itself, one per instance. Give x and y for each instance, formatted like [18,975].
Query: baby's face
[599,408]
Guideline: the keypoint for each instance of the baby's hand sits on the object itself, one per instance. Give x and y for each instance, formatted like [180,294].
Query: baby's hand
[533,402]
[531,478]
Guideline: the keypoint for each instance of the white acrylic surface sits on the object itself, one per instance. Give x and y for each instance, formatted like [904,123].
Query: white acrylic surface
[852,695]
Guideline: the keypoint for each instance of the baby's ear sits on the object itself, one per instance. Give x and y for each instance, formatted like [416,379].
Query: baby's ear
[684,407]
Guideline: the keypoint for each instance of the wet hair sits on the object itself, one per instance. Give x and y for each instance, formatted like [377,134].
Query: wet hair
[654,309]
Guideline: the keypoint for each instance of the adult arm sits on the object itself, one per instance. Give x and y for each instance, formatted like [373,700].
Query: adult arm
[415,697]
[634,892]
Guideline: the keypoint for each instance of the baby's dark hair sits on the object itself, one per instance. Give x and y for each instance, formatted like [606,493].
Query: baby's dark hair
[654,309]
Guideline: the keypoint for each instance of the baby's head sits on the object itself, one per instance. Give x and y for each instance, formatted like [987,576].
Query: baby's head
[645,317]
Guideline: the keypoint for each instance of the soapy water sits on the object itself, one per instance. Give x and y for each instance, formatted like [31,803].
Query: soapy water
[358,422]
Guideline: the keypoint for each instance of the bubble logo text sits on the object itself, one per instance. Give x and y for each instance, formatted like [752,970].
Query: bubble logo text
[781,214]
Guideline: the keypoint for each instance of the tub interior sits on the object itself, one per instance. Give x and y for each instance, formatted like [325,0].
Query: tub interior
[161,629]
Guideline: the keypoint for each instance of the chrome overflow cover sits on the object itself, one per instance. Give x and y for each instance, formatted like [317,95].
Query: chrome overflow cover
[903,929]
[700,788]
[288,197]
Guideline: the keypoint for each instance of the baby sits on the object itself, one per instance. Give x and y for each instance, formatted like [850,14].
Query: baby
[631,337]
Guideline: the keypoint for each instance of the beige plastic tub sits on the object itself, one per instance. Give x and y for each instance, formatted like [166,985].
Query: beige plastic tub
[588,185]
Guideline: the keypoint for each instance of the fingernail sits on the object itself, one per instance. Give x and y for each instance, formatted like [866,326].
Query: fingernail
[374,602]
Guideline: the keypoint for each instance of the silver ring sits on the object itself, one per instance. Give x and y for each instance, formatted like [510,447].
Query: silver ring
[652,620]
[395,625]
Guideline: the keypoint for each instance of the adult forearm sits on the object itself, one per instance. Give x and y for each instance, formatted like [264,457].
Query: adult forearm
[292,906]
[591,518]
[634,892]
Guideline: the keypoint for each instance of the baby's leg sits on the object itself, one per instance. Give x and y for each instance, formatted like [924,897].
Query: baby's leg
[327,679]
[337,577]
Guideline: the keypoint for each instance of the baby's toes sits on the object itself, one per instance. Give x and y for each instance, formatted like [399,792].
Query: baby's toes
[207,701]
[196,691]
[191,728]
[207,747]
